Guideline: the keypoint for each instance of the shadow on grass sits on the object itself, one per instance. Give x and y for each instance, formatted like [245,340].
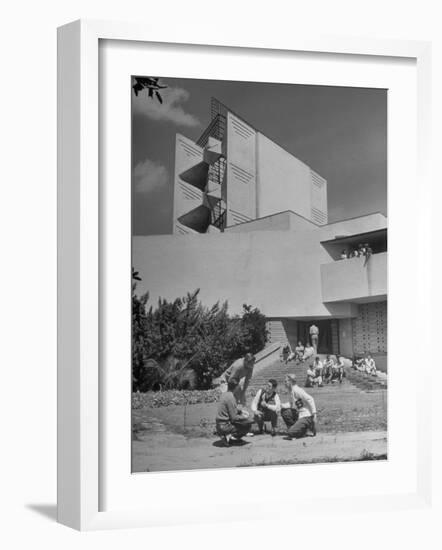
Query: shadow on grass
[238,443]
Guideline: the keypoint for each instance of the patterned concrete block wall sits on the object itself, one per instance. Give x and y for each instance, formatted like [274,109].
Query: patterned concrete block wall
[370,328]
[335,336]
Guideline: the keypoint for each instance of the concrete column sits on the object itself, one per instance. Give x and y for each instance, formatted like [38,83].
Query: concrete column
[346,337]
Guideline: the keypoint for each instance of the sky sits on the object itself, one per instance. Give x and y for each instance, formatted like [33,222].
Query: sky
[340,132]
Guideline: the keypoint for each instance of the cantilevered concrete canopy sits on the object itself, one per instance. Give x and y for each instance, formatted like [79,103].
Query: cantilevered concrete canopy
[197,175]
[197,219]
[372,236]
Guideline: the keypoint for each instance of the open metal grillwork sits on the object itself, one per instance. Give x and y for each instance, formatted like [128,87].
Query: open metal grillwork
[215,178]
[216,129]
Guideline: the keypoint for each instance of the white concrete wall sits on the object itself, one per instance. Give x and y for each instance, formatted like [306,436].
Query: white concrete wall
[353,226]
[186,197]
[277,222]
[318,198]
[277,271]
[241,171]
[355,278]
[284,182]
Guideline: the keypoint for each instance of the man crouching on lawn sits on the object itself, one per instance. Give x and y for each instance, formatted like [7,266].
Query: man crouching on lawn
[266,405]
[232,423]
[299,414]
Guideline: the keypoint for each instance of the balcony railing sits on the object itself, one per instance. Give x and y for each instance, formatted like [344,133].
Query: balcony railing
[354,278]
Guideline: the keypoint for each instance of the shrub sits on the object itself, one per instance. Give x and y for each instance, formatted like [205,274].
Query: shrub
[183,344]
[155,399]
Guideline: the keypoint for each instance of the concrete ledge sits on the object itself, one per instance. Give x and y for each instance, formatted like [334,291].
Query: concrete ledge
[267,356]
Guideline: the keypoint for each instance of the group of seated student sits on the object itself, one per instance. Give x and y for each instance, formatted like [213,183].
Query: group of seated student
[326,372]
[366,365]
[233,421]
[300,354]
[362,250]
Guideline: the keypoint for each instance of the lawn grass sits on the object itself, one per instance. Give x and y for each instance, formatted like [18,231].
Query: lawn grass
[338,411]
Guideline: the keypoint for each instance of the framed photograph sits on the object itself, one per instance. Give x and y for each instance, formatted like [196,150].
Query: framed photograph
[234,218]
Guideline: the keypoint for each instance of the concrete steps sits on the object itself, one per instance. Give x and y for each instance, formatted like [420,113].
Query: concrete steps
[353,382]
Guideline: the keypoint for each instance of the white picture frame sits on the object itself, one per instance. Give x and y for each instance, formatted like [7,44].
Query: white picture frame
[79,294]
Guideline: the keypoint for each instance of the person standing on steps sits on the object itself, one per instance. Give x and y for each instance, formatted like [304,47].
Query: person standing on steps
[314,335]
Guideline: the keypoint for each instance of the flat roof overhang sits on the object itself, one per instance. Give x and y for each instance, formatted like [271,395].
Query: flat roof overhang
[350,239]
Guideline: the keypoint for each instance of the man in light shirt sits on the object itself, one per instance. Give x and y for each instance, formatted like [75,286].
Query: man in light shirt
[266,406]
[318,368]
[314,335]
[370,365]
[242,370]
[299,351]
[327,372]
[309,351]
[338,370]
[299,413]
[314,374]
[310,377]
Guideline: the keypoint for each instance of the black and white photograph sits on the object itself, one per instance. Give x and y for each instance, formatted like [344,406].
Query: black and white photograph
[221,279]
[259,274]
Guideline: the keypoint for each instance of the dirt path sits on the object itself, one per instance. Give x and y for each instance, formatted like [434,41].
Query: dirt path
[159,450]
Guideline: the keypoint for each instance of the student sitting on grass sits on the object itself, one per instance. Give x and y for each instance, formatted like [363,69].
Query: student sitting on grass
[309,351]
[232,423]
[338,370]
[285,355]
[266,406]
[318,367]
[327,371]
[310,377]
[370,366]
[359,364]
[299,413]
[299,352]
[314,374]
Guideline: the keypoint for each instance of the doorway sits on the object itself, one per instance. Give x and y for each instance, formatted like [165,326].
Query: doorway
[325,340]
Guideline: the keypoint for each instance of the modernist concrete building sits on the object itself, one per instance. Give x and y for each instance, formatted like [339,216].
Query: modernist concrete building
[235,174]
[251,226]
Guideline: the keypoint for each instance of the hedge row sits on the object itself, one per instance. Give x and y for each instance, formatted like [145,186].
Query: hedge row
[152,399]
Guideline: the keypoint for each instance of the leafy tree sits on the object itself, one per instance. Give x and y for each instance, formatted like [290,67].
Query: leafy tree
[139,330]
[186,344]
[150,84]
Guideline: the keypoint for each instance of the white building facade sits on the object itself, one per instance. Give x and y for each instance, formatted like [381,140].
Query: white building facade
[251,227]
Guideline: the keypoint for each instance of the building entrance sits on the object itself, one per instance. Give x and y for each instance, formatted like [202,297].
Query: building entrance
[325,340]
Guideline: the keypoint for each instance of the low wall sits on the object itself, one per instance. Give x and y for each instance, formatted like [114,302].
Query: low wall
[267,356]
